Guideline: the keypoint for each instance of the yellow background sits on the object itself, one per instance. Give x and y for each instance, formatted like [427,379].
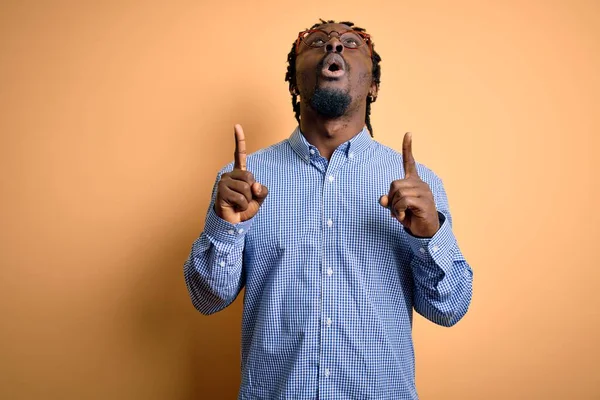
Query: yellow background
[116,116]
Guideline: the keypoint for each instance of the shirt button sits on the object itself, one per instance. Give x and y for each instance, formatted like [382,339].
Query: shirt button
[231,232]
[329,272]
[331,178]
[328,322]
[435,249]
[307,157]
[222,263]
[422,250]
[241,230]
[351,155]
[312,151]
[327,372]
[329,223]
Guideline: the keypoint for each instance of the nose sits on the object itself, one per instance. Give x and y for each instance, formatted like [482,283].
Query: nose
[334,46]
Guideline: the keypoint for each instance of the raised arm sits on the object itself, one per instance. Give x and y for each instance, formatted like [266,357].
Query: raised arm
[443,280]
[214,270]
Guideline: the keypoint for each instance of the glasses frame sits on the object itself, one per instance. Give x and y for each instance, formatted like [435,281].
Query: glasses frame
[366,38]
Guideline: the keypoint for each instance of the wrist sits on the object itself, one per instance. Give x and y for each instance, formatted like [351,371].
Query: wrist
[429,231]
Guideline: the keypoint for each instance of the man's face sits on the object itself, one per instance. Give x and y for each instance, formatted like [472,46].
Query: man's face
[333,79]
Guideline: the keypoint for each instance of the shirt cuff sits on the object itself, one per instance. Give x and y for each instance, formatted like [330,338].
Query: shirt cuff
[437,249]
[225,232]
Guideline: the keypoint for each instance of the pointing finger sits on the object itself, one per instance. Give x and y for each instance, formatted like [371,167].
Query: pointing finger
[410,167]
[240,148]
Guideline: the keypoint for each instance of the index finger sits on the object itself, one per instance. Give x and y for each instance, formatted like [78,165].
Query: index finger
[240,148]
[410,166]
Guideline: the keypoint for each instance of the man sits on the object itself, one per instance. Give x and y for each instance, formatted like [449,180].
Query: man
[335,237]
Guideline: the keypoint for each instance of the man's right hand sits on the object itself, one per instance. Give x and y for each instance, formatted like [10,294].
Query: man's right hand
[239,196]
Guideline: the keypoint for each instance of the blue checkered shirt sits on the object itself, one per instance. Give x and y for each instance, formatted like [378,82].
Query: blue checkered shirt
[330,278]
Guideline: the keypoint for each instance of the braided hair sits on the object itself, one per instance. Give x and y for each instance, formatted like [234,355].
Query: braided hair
[290,75]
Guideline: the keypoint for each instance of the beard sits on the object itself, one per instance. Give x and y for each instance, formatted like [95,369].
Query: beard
[330,103]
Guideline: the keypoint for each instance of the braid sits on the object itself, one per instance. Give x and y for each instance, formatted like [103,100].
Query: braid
[368,116]
[290,75]
[296,107]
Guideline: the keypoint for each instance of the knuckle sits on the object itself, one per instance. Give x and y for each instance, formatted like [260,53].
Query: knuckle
[249,177]
[399,194]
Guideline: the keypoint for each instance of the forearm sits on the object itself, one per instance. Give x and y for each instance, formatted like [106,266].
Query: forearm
[443,280]
[214,269]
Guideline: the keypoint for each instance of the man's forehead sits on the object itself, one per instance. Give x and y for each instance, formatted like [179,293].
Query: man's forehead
[334,27]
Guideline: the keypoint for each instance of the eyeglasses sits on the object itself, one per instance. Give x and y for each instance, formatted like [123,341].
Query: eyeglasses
[318,38]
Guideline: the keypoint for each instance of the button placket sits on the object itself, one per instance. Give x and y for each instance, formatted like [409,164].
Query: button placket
[329,232]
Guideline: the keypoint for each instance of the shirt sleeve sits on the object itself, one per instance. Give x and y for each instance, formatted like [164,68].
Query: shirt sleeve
[443,278]
[213,271]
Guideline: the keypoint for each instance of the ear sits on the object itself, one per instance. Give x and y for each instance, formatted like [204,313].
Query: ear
[373,91]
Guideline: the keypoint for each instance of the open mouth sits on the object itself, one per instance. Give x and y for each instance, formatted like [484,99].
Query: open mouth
[333,66]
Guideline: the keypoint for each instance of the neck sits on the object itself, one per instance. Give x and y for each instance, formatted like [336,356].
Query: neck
[327,134]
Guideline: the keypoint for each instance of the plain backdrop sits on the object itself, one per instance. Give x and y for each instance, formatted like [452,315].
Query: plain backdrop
[115,117]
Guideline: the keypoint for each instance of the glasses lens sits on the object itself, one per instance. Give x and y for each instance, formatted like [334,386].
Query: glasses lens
[351,40]
[316,39]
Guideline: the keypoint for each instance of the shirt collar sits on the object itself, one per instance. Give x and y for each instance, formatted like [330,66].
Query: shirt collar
[351,148]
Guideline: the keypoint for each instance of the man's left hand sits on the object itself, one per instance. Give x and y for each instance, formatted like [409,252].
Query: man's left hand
[410,199]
